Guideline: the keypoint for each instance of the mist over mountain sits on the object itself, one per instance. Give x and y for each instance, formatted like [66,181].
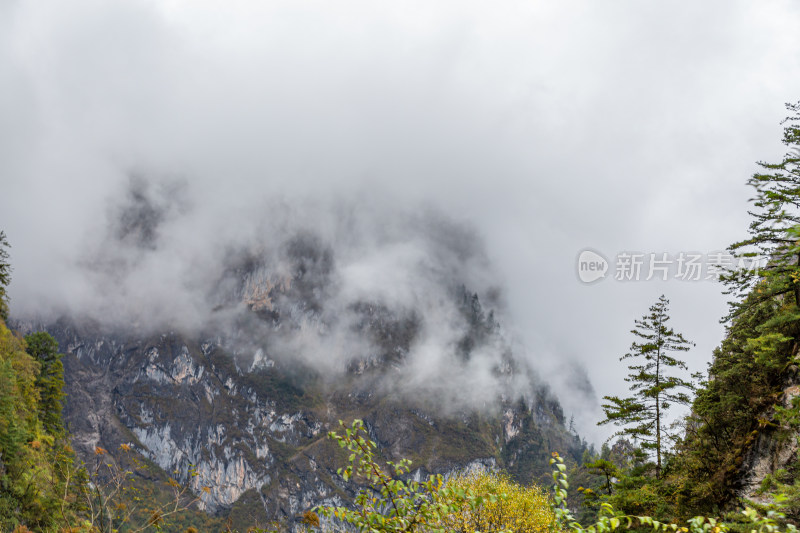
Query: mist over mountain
[228,344]
[306,283]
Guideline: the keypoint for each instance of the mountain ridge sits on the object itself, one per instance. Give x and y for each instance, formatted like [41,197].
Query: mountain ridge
[255,434]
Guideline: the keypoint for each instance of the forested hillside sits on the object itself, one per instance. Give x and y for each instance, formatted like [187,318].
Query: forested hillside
[739,444]
[743,432]
[34,452]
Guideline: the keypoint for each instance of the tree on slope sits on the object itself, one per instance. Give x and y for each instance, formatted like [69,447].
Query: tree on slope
[774,229]
[50,381]
[654,385]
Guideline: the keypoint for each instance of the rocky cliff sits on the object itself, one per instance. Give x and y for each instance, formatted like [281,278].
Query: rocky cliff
[254,431]
[773,448]
[234,392]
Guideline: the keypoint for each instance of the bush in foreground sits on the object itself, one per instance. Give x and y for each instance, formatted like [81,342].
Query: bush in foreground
[515,508]
[485,502]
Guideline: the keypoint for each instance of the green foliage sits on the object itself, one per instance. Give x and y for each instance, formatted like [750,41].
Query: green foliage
[33,488]
[506,506]
[610,519]
[607,470]
[655,388]
[388,503]
[491,502]
[50,380]
[773,229]
[741,400]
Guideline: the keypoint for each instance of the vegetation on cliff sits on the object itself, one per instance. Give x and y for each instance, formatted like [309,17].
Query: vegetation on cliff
[748,403]
[34,454]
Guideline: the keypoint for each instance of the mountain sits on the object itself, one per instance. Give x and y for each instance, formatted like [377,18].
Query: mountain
[238,406]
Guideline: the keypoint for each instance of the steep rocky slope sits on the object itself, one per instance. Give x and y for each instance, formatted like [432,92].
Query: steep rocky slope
[255,431]
[772,449]
[235,363]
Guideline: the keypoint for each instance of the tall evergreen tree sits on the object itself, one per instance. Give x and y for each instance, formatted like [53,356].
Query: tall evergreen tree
[655,389]
[50,380]
[757,359]
[774,229]
[12,430]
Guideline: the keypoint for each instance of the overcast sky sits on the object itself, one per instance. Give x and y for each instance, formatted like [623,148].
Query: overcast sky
[549,126]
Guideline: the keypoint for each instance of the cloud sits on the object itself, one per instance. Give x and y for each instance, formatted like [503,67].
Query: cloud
[550,127]
[320,285]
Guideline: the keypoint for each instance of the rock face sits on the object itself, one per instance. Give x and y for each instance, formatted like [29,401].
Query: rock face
[183,406]
[772,450]
[257,439]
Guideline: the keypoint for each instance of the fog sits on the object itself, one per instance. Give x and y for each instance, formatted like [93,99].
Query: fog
[534,129]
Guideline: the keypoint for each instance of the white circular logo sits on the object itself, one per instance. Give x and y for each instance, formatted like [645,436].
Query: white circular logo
[591,266]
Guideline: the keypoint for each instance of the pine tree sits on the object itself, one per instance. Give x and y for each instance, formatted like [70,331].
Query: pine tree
[774,230]
[12,430]
[50,380]
[757,358]
[654,388]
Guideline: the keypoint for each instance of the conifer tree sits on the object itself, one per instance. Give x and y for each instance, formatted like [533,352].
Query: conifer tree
[774,229]
[50,380]
[654,386]
[757,358]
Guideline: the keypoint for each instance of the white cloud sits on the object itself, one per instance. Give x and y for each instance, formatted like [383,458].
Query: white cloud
[551,126]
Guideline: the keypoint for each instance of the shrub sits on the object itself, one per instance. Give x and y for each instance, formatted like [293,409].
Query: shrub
[485,501]
[514,507]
